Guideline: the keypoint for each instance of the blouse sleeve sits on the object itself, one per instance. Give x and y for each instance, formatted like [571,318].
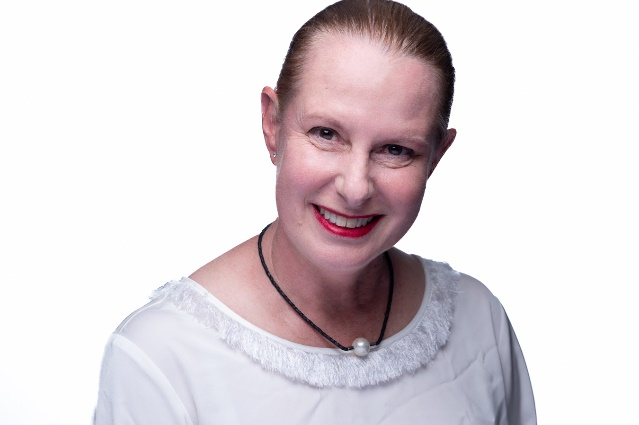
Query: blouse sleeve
[133,390]
[520,403]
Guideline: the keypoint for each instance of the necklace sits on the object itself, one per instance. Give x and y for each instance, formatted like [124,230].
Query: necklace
[361,346]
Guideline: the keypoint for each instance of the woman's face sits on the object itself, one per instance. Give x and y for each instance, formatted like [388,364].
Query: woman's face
[354,150]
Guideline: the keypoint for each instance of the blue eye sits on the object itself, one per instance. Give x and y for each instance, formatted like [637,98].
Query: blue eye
[397,150]
[394,150]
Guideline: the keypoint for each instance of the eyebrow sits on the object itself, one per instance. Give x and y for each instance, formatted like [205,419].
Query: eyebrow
[330,122]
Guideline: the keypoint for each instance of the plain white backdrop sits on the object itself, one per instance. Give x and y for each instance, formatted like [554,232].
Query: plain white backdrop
[131,153]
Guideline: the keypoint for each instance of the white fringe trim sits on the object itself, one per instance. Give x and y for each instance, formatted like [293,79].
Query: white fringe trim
[389,361]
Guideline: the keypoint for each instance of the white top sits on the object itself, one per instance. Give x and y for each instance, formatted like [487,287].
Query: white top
[186,358]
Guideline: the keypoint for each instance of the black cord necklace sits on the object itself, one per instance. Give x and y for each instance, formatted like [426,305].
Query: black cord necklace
[361,346]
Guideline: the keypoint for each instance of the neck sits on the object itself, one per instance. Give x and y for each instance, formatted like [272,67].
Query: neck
[333,292]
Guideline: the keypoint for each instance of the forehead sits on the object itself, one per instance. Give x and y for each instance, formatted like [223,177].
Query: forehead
[361,74]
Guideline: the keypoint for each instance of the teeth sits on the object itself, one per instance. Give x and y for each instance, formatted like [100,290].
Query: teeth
[350,223]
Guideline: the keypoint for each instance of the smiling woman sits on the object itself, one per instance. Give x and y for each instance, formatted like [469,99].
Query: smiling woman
[321,308]
[357,140]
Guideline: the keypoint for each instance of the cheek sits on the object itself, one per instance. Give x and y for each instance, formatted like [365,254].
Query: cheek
[407,185]
[299,175]
[414,202]
[406,192]
[296,172]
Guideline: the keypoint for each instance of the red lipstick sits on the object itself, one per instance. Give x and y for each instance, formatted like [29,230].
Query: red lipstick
[356,232]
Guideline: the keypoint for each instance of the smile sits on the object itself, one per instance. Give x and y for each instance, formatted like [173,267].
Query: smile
[341,221]
[346,227]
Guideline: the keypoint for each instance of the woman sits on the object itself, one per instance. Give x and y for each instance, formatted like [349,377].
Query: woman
[319,318]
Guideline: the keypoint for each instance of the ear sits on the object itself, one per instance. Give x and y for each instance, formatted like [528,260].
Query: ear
[270,124]
[441,149]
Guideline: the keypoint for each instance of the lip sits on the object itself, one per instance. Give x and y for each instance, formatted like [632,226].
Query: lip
[348,232]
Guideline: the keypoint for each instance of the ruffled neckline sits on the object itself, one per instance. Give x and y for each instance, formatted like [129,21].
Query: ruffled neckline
[412,348]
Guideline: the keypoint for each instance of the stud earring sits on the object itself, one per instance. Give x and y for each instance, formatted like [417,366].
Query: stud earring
[274,154]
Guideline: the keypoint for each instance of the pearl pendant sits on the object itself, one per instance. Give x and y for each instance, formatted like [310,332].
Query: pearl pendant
[361,347]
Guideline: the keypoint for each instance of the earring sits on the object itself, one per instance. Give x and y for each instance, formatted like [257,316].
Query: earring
[274,154]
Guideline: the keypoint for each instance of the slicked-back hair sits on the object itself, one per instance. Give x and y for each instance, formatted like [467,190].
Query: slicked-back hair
[392,24]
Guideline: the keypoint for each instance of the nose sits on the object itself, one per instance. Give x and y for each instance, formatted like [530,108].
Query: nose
[353,181]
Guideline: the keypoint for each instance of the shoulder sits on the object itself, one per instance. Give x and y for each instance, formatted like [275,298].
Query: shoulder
[157,323]
[474,304]
[174,332]
[467,288]
[474,291]
[144,364]
[231,277]
[482,344]
[479,318]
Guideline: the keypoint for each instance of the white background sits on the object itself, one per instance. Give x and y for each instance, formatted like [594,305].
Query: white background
[131,154]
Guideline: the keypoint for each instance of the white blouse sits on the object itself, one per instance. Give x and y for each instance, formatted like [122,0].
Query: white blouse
[186,358]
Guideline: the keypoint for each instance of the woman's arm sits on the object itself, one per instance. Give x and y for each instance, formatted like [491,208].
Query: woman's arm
[520,403]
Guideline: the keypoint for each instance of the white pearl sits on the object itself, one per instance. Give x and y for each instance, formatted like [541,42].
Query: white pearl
[361,347]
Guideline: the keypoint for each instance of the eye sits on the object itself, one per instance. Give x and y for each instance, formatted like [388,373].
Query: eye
[325,133]
[397,150]
[394,156]
[327,139]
